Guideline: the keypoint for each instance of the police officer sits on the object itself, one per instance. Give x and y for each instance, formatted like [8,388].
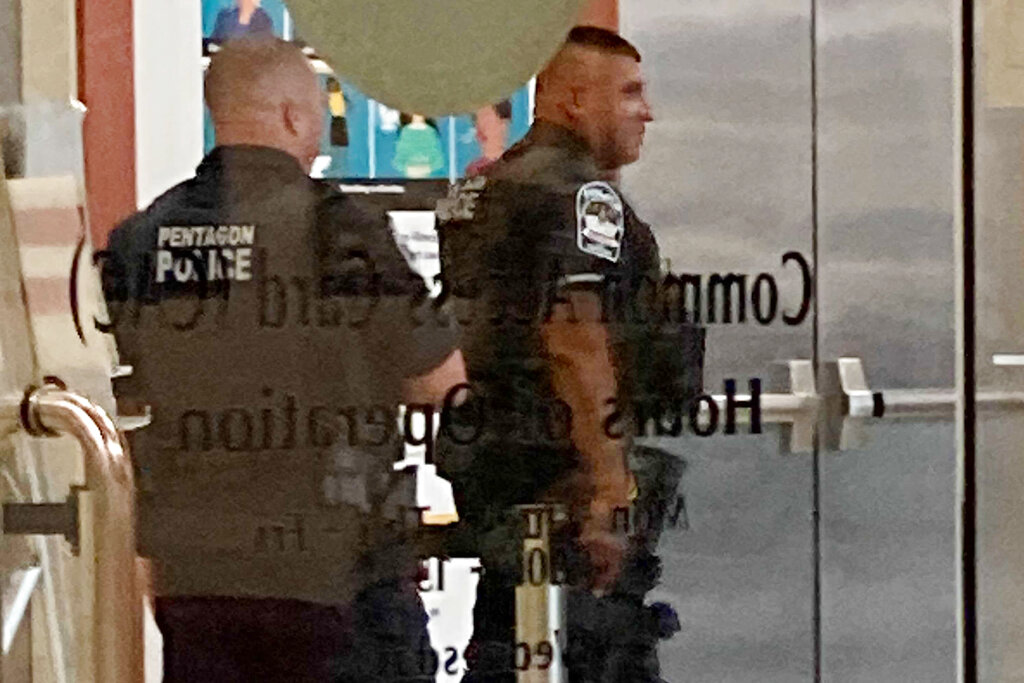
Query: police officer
[274,328]
[556,285]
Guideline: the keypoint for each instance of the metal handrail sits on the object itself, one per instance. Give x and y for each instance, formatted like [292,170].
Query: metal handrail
[108,553]
[50,410]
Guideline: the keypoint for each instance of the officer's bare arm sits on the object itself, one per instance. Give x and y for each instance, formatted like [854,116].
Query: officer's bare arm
[432,387]
[584,377]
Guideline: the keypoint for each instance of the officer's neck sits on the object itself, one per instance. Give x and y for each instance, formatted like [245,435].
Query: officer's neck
[552,131]
[254,135]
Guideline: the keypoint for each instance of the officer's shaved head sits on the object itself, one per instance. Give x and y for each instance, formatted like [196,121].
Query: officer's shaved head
[603,40]
[593,87]
[263,92]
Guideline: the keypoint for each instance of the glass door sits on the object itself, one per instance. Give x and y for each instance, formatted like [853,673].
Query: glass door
[825,132]
[724,181]
[887,277]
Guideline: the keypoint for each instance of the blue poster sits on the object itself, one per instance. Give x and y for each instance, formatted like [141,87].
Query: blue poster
[385,143]
[224,19]
[364,139]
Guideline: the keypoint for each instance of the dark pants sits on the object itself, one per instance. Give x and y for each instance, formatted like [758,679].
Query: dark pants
[380,637]
[613,639]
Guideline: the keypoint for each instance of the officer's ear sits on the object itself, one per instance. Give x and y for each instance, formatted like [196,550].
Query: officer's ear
[291,117]
[572,104]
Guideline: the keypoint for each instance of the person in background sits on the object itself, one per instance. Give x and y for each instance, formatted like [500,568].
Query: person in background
[273,326]
[418,153]
[492,123]
[245,19]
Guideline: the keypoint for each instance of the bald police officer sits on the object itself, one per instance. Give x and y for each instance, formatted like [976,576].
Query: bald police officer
[555,282]
[274,328]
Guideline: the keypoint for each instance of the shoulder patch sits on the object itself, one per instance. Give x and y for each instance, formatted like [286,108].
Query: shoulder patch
[600,223]
[460,204]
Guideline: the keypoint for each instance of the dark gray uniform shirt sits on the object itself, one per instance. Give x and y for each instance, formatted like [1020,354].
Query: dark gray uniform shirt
[543,222]
[269,323]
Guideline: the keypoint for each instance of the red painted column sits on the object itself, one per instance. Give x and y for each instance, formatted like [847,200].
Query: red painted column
[106,87]
[603,13]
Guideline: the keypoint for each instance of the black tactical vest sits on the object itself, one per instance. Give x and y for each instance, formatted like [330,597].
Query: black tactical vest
[540,223]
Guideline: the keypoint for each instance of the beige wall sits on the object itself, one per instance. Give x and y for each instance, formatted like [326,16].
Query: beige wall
[1002,53]
[603,13]
[48,53]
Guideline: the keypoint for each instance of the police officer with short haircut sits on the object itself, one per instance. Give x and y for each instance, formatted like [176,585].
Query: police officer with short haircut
[274,328]
[556,285]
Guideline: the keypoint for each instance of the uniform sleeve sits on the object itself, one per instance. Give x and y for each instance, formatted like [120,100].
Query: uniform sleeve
[511,249]
[573,250]
[359,257]
[122,263]
[538,258]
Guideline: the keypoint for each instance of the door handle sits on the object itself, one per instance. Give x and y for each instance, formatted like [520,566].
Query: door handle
[798,401]
[796,407]
[845,402]
[860,401]
[854,403]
